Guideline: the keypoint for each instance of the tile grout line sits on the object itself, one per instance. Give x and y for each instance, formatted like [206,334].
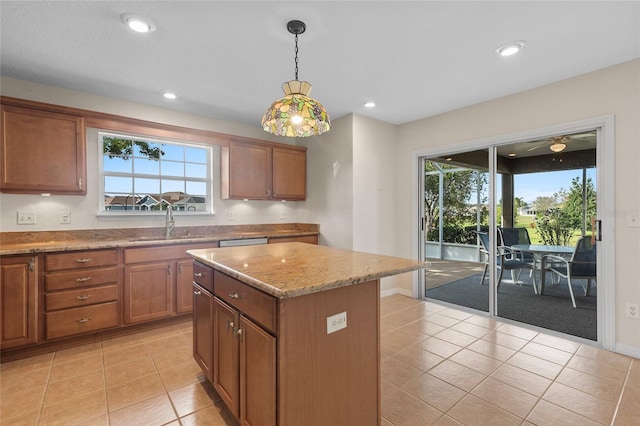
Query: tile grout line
[624,385]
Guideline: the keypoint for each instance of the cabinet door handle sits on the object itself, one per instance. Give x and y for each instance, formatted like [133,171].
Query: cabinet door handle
[83,260]
[85,297]
[230,324]
[83,320]
[234,295]
[237,332]
[168,269]
[32,264]
[197,274]
[197,293]
[83,279]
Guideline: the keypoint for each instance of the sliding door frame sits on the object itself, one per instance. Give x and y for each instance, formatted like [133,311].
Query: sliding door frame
[605,188]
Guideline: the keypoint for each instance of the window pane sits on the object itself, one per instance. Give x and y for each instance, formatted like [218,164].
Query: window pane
[172,186]
[146,167]
[148,150]
[118,184]
[196,170]
[173,152]
[147,186]
[196,155]
[197,188]
[172,168]
[117,164]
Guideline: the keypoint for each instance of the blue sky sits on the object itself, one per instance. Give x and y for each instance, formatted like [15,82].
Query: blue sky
[533,185]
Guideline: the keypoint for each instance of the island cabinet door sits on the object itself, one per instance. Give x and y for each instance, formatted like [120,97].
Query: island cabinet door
[203,329]
[225,354]
[257,375]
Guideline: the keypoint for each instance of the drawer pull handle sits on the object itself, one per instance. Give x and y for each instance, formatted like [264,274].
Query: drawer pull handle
[197,293]
[83,279]
[83,320]
[197,274]
[83,260]
[234,295]
[85,297]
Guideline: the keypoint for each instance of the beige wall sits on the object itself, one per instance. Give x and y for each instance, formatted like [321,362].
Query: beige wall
[612,91]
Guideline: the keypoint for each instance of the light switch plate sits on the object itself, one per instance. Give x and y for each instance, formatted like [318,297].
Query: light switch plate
[26,218]
[336,322]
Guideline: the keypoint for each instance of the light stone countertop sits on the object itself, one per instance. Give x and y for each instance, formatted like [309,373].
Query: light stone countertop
[288,270]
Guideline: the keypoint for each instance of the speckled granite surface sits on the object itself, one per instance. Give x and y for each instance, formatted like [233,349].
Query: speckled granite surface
[293,269]
[50,241]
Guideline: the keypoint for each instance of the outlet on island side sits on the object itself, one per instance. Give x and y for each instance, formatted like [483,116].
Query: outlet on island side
[336,322]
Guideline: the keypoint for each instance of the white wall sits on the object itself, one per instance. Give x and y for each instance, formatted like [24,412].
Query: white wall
[84,208]
[329,200]
[615,90]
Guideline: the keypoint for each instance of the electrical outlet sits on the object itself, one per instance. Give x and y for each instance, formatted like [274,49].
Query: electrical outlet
[65,217]
[281,214]
[336,322]
[230,215]
[633,310]
[26,218]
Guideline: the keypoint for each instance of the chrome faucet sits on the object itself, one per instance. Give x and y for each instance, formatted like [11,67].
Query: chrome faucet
[170,222]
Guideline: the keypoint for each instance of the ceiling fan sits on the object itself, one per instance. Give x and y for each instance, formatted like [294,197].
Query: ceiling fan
[559,143]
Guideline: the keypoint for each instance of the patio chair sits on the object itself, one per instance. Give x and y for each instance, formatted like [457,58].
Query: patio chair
[506,261]
[581,266]
[513,236]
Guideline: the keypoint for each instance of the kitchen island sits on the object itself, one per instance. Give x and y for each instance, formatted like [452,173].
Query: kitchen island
[289,334]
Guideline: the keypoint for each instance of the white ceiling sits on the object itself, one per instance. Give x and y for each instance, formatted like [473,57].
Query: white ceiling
[228,59]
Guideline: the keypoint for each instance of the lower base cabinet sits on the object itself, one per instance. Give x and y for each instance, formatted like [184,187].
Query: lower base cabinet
[18,301]
[275,362]
[203,329]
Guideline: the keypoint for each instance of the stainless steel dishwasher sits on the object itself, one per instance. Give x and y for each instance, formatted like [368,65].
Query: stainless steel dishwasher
[244,242]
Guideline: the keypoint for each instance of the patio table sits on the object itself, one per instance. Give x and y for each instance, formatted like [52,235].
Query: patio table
[540,250]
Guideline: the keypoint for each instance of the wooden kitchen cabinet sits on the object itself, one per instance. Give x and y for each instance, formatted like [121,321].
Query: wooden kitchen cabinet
[203,318]
[309,239]
[157,281]
[18,301]
[184,292]
[244,353]
[81,292]
[262,171]
[148,291]
[42,150]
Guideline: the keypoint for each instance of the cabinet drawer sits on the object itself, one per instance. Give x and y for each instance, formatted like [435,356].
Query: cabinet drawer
[82,297]
[309,239]
[160,253]
[255,304]
[203,276]
[81,320]
[84,278]
[80,259]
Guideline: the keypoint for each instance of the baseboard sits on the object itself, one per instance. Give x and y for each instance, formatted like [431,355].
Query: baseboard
[392,291]
[628,350]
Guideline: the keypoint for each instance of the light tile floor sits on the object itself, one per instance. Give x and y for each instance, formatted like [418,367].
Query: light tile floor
[440,366]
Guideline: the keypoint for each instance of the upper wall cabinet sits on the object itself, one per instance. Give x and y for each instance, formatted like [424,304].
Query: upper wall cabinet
[263,171]
[42,151]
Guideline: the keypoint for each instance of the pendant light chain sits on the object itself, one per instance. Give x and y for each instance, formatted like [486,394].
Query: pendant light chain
[296,57]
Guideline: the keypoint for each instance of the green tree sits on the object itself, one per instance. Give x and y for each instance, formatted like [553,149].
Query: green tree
[555,226]
[118,147]
[544,203]
[572,201]
[459,189]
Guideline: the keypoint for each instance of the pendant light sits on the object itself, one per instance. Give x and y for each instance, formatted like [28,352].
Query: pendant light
[296,114]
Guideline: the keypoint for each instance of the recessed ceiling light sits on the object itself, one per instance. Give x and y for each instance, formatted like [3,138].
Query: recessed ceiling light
[137,23]
[510,48]
[169,95]
[512,154]
[369,104]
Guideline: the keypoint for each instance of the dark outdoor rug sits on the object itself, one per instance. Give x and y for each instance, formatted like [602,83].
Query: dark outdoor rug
[552,311]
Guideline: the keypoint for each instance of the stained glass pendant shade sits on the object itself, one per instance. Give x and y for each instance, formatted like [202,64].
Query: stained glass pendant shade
[296,114]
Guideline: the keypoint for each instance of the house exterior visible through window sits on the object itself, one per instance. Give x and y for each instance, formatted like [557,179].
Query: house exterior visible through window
[146,175]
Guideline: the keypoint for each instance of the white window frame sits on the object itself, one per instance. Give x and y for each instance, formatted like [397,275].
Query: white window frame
[137,213]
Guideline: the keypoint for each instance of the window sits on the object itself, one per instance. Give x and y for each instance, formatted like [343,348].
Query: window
[143,175]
